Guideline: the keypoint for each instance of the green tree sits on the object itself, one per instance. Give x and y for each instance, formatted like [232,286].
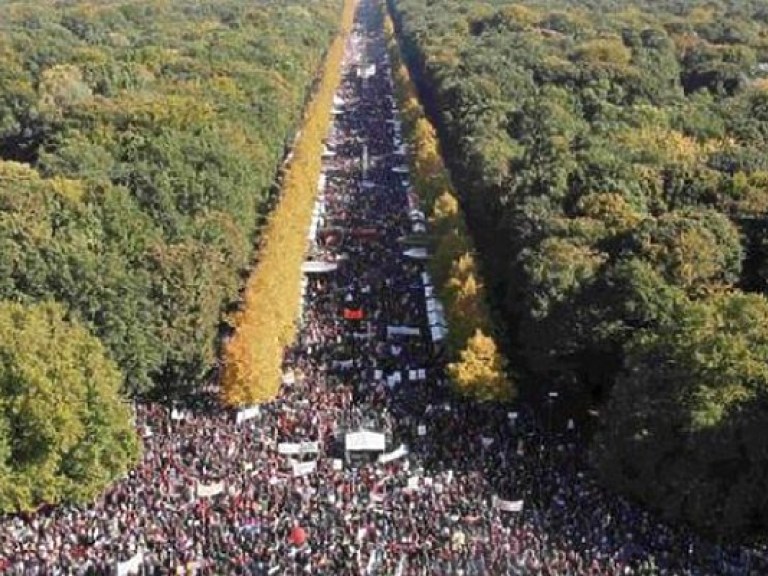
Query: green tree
[65,433]
[682,426]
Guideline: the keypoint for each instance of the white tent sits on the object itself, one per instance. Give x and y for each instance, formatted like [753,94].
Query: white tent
[417,253]
[365,441]
[367,72]
[315,267]
[438,333]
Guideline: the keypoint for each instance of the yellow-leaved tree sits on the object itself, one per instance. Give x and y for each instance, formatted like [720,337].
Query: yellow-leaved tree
[267,322]
[480,370]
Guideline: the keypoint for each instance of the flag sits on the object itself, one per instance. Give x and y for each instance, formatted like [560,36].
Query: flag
[353,313]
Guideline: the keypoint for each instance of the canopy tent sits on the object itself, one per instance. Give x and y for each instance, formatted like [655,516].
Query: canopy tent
[438,333]
[317,267]
[436,318]
[419,253]
[366,72]
[365,441]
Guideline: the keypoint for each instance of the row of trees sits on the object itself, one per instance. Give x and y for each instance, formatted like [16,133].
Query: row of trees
[139,143]
[611,161]
[267,322]
[477,368]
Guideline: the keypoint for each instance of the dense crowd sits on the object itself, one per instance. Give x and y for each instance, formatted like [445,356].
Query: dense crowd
[213,494]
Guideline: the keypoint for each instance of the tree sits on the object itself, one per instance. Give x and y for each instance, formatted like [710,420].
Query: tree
[697,250]
[681,425]
[481,370]
[65,433]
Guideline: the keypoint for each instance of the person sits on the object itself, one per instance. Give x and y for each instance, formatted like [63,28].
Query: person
[430,511]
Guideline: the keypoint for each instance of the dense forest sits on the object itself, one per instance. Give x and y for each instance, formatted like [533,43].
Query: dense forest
[610,156]
[139,147]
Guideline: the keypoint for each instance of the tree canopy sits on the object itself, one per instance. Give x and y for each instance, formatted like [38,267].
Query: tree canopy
[65,431]
[141,146]
[609,160]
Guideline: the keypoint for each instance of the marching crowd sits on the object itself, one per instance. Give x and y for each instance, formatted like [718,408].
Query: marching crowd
[473,490]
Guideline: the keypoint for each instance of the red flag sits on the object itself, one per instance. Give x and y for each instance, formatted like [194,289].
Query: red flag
[352,314]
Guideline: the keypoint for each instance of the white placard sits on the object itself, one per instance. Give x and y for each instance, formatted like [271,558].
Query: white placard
[293,448]
[508,505]
[422,430]
[394,455]
[304,468]
[132,566]
[208,490]
[365,440]
[247,414]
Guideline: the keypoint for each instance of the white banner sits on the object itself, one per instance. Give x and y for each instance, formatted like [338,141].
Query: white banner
[247,414]
[304,468]
[417,374]
[394,455]
[338,464]
[208,490]
[293,448]
[507,505]
[132,566]
[403,331]
[365,441]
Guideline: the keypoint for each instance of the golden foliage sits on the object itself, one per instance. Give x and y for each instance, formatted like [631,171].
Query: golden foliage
[267,322]
[658,145]
[479,369]
[604,51]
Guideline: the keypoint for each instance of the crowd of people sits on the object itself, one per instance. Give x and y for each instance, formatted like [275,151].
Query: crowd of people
[461,488]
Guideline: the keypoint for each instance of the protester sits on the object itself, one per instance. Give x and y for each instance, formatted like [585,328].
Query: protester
[481,490]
